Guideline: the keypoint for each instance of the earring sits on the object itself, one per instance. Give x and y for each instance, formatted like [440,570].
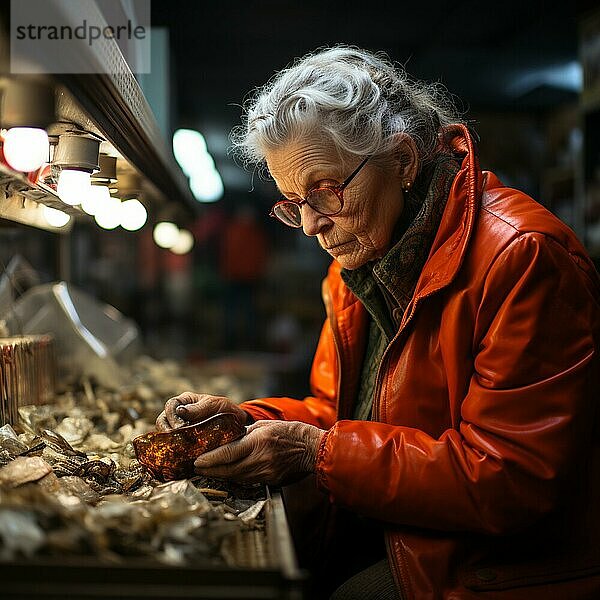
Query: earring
[406,187]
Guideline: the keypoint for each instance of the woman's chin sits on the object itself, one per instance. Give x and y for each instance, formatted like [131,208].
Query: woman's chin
[351,254]
[350,261]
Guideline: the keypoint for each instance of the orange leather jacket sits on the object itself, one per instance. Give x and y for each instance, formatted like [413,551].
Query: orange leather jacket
[482,457]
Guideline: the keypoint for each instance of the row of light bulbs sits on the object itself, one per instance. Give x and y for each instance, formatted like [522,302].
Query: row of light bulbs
[165,234]
[84,175]
[27,149]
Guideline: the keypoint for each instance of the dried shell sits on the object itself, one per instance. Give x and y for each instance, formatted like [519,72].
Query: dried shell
[49,483]
[74,429]
[251,513]
[57,442]
[10,442]
[171,454]
[74,486]
[24,470]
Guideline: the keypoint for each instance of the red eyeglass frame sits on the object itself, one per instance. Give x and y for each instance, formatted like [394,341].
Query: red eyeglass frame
[338,190]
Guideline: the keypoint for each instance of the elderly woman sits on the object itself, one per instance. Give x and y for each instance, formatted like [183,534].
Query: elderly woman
[455,382]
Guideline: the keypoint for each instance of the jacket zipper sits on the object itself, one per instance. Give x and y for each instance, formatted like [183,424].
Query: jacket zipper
[396,568]
[378,383]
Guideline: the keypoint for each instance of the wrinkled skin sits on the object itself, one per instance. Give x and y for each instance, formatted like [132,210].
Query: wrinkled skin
[373,200]
[278,452]
[190,408]
[273,452]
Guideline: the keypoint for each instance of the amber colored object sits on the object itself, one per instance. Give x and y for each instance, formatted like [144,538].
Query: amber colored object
[171,454]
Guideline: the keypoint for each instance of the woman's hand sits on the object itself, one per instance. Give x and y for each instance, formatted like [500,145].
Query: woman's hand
[188,408]
[274,452]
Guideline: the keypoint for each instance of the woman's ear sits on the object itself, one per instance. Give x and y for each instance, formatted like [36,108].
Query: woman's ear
[406,158]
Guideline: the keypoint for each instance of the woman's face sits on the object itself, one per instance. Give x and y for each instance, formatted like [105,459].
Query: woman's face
[373,200]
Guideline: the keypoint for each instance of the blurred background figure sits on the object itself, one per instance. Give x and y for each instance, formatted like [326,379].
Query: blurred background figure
[242,264]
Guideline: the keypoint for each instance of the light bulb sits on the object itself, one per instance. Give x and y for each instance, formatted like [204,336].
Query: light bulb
[94,201]
[133,215]
[165,234]
[26,148]
[73,186]
[56,218]
[188,147]
[207,187]
[108,216]
[184,243]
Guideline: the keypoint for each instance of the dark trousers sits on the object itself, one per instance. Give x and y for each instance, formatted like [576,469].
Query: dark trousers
[344,553]
[373,583]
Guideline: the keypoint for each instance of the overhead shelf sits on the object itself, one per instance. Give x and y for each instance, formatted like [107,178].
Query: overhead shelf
[121,115]
[109,103]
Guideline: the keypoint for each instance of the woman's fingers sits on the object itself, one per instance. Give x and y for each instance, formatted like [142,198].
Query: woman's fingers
[173,418]
[190,407]
[205,407]
[226,454]
[161,422]
[168,418]
[270,452]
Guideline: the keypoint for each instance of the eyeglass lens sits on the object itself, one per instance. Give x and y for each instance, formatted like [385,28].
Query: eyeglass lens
[288,213]
[323,200]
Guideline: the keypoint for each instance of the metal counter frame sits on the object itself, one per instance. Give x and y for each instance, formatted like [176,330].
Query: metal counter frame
[83,578]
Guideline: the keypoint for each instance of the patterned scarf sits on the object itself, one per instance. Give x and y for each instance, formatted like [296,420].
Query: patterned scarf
[386,286]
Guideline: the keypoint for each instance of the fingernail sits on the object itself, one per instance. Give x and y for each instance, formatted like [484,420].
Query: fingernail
[181,410]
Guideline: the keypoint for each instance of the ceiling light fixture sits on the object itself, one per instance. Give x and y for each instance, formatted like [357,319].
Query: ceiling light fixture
[133,214]
[56,218]
[26,148]
[108,216]
[189,148]
[94,201]
[73,186]
[107,174]
[27,109]
[77,157]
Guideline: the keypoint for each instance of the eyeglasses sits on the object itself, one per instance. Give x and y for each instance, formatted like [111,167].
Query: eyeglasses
[327,201]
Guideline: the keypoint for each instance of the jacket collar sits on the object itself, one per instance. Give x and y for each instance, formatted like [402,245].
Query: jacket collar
[456,227]
[451,241]
[348,316]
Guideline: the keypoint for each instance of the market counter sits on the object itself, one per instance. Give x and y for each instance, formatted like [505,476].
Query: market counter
[269,572]
[81,518]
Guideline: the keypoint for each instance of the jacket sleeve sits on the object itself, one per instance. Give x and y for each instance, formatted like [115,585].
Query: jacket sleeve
[526,417]
[318,409]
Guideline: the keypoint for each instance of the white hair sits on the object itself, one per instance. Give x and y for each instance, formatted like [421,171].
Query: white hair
[358,99]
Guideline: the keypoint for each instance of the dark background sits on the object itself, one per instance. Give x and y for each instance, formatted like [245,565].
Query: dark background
[221,50]
[491,56]
[497,59]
